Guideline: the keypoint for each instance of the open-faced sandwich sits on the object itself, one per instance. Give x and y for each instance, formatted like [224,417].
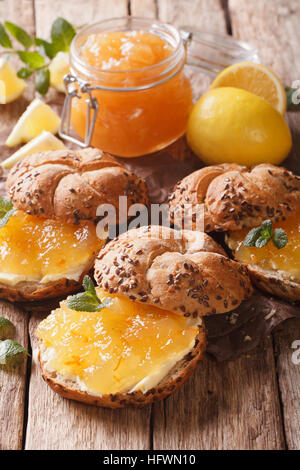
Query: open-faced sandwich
[138,336]
[259,209]
[48,237]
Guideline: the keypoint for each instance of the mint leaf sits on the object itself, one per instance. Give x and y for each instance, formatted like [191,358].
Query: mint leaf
[260,236]
[42,82]
[12,354]
[6,210]
[262,241]
[4,38]
[24,72]
[19,34]
[32,58]
[88,286]
[48,48]
[5,206]
[279,238]
[252,236]
[62,33]
[266,226]
[6,328]
[87,301]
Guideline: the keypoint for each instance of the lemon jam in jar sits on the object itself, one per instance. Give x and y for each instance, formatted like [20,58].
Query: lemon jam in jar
[135,70]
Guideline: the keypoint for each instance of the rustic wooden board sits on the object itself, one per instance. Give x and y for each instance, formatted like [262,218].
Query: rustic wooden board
[288,369]
[13,385]
[224,406]
[274,28]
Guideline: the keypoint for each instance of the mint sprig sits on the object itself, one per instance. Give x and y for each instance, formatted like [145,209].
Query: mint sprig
[12,354]
[87,301]
[262,235]
[37,53]
[6,210]
[7,329]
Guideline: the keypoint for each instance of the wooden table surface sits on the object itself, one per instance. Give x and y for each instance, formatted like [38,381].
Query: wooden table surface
[251,403]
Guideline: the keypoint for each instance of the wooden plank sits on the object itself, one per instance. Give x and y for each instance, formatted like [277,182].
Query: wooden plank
[13,385]
[287,340]
[274,28]
[76,11]
[144,8]
[53,422]
[223,406]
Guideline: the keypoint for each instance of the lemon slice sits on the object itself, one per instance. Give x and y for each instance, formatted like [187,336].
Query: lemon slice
[255,78]
[11,86]
[37,117]
[44,141]
[59,67]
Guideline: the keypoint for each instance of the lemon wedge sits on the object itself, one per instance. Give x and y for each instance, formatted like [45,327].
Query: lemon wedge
[44,141]
[11,86]
[36,118]
[59,67]
[256,78]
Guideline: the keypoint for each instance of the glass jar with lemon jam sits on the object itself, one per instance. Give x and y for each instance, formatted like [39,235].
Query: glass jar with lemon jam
[127,91]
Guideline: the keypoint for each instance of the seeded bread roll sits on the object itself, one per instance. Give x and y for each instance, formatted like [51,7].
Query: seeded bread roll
[191,275]
[187,273]
[234,197]
[69,186]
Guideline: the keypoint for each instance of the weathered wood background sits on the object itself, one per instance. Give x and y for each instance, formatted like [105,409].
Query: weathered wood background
[252,403]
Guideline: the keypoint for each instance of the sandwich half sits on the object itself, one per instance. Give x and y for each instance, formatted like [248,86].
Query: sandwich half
[48,238]
[147,334]
[264,200]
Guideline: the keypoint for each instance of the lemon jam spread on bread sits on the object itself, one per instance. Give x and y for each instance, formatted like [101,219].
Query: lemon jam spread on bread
[269,257]
[124,347]
[45,250]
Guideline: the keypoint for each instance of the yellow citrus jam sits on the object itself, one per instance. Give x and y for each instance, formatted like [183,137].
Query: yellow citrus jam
[115,349]
[35,249]
[133,123]
[269,257]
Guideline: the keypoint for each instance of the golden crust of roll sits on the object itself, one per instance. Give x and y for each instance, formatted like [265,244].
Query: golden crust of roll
[191,275]
[234,197]
[69,185]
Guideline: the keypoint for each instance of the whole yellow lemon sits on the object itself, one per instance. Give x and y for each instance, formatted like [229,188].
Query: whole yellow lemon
[233,125]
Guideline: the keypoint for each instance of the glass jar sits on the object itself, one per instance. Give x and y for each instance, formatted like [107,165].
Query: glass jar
[129,113]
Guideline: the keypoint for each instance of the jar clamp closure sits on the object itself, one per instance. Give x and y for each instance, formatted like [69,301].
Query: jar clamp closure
[208,53]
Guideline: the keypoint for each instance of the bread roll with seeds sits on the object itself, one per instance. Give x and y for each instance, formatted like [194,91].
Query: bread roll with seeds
[186,273]
[235,198]
[191,275]
[69,185]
